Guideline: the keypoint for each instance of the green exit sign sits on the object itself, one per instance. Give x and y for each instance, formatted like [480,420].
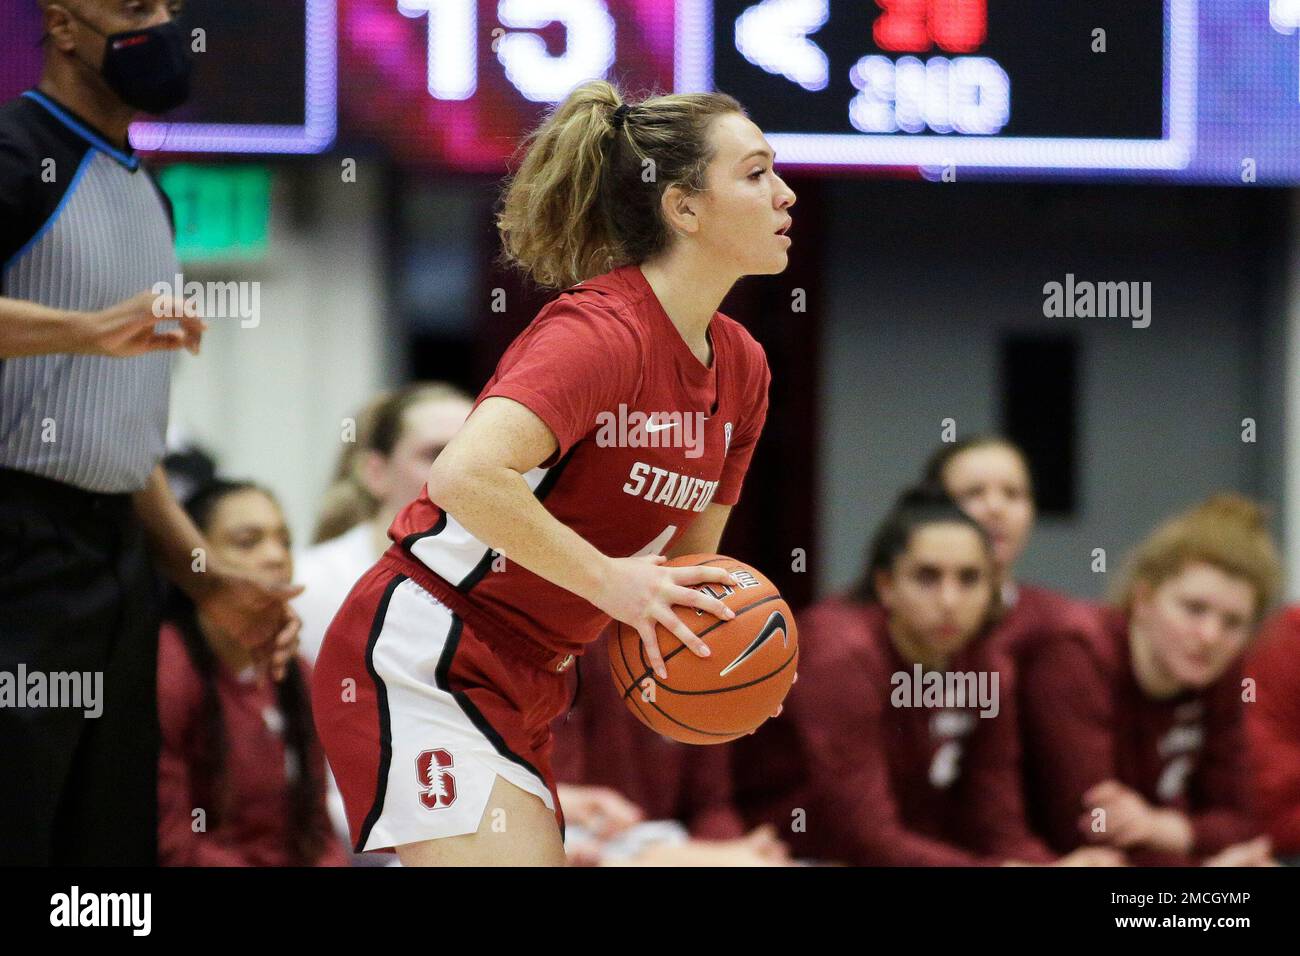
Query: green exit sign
[222,212]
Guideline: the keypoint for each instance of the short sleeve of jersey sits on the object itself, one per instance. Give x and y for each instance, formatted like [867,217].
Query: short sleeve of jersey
[748,430]
[573,363]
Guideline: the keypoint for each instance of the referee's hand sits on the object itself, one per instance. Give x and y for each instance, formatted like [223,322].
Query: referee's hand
[128,328]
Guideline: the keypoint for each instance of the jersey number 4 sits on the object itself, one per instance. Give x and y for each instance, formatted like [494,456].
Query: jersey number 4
[658,544]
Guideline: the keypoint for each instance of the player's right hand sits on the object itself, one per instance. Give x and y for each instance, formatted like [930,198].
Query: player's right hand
[641,593]
[127,329]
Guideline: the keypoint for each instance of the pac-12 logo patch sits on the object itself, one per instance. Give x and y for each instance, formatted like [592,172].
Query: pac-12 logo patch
[437,785]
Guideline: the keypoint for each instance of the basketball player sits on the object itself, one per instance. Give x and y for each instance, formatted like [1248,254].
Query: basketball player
[1133,735]
[234,742]
[988,476]
[616,431]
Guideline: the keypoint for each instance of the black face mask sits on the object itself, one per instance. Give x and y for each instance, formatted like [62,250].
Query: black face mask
[148,69]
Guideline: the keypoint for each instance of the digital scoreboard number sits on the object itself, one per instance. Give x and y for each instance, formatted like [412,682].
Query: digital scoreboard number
[1092,84]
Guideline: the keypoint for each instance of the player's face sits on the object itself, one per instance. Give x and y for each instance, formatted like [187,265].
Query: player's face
[991,485]
[745,205]
[940,590]
[247,530]
[1195,623]
[426,428]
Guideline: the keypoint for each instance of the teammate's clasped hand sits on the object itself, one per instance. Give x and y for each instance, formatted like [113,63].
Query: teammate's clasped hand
[1132,821]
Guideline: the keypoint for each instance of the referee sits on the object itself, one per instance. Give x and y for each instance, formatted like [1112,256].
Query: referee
[85,510]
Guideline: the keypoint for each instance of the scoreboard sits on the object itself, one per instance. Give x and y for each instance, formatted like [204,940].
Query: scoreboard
[1023,83]
[1144,90]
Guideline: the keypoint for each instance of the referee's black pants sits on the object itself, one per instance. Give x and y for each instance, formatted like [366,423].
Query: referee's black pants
[77,595]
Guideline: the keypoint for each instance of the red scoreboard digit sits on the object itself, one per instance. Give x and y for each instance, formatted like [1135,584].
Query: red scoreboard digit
[913,26]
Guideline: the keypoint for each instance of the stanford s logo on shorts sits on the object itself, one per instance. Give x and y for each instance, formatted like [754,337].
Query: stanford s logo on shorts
[437,786]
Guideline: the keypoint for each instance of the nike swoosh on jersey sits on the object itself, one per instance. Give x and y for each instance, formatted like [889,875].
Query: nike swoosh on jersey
[775,622]
[651,427]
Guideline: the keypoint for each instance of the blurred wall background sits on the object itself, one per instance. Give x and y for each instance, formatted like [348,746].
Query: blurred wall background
[269,401]
[925,283]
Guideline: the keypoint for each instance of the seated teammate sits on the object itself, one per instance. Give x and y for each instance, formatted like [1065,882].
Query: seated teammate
[241,777]
[988,476]
[1133,731]
[881,770]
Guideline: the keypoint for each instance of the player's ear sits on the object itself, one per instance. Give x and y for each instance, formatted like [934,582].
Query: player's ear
[678,210]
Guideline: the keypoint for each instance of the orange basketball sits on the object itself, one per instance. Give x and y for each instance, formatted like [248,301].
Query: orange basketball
[710,700]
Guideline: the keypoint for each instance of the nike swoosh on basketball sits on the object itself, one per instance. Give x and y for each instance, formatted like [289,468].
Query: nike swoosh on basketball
[775,622]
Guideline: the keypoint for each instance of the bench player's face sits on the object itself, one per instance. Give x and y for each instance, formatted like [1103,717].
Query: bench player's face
[247,530]
[991,485]
[1195,623]
[426,429]
[745,203]
[940,589]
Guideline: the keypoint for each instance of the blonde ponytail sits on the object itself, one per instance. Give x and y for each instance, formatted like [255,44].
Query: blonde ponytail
[586,198]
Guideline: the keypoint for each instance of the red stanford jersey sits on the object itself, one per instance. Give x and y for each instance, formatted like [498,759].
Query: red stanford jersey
[1085,719]
[1038,613]
[648,437]
[1273,729]
[257,828]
